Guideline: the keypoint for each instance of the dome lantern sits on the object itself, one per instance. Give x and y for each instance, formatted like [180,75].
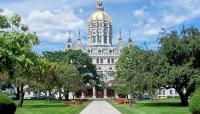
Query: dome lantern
[100,4]
[99,14]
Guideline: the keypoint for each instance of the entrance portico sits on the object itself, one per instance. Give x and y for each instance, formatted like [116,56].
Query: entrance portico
[92,92]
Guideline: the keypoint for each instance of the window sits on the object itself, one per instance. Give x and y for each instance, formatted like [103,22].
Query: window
[97,61]
[99,68]
[108,61]
[163,92]
[99,51]
[101,61]
[105,40]
[110,51]
[100,72]
[160,92]
[112,60]
[110,68]
[94,39]
[88,51]
[170,92]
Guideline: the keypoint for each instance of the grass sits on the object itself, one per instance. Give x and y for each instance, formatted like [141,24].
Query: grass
[167,106]
[45,107]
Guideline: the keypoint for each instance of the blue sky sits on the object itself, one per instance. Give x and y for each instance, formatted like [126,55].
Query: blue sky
[52,19]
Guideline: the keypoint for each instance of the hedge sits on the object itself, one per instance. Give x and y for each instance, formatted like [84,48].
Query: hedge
[7,106]
[194,104]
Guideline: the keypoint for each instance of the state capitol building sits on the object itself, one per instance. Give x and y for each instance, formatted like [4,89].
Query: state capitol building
[103,53]
[101,49]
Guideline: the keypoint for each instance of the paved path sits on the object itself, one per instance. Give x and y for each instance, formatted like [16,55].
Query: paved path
[100,107]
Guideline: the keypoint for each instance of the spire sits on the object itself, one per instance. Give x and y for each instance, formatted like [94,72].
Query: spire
[129,38]
[130,42]
[120,35]
[79,34]
[100,4]
[69,38]
[120,43]
[78,44]
[69,44]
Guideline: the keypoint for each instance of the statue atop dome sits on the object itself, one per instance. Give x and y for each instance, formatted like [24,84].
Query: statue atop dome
[100,4]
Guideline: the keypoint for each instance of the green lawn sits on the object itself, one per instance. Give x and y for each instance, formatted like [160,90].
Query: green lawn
[169,106]
[45,107]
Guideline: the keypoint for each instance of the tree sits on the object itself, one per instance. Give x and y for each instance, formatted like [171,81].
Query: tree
[80,60]
[16,49]
[133,71]
[178,62]
[70,79]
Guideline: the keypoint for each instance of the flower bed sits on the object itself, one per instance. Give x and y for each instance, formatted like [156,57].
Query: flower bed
[75,102]
[121,101]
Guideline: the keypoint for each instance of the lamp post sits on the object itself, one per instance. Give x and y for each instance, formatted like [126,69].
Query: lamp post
[130,85]
[130,78]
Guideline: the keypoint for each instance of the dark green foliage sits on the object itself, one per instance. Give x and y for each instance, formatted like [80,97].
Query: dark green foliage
[7,106]
[194,104]
[4,22]
[178,62]
[80,60]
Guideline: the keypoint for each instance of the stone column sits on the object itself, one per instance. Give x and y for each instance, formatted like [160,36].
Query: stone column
[105,93]
[94,92]
[82,95]
[116,95]
[130,96]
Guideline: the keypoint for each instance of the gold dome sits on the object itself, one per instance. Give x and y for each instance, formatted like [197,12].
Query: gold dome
[99,14]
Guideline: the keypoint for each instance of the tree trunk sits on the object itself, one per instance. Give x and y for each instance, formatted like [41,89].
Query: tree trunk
[21,98]
[183,96]
[60,95]
[17,93]
[184,100]
[49,97]
[66,94]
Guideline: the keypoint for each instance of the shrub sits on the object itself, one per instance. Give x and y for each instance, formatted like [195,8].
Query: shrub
[121,101]
[194,104]
[7,106]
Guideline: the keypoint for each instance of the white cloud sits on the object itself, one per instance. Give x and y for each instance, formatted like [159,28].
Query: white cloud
[52,25]
[140,12]
[151,31]
[8,12]
[53,21]
[164,14]
[174,19]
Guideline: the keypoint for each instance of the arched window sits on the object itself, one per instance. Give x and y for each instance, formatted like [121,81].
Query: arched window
[94,39]
[105,40]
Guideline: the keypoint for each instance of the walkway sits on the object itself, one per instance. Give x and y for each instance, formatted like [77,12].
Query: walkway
[100,107]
